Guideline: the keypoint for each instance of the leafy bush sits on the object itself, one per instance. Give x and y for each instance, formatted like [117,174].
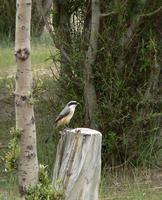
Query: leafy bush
[11,156]
[43,190]
[7,19]
[127,78]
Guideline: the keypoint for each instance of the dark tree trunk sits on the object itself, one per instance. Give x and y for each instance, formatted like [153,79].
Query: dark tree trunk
[89,85]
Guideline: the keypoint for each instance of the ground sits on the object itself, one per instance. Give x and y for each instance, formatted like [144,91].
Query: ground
[116,184]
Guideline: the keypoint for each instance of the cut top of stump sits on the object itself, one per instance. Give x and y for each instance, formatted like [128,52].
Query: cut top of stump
[83,131]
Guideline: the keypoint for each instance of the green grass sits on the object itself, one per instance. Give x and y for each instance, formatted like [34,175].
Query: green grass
[41,50]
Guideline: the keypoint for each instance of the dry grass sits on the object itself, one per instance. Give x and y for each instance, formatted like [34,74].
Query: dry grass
[131,184]
[121,184]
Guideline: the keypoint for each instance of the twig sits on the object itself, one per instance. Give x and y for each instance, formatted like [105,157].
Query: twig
[142,15]
[65,55]
[115,198]
[3,146]
[51,32]
[108,14]
[54,76]
[151,13]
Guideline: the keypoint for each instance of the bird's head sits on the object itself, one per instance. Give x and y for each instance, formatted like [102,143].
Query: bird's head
[72,104]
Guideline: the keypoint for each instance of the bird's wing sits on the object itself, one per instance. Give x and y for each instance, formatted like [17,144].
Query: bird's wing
[62,114]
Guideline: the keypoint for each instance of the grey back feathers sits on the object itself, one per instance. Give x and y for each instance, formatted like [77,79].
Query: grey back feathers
[65,111]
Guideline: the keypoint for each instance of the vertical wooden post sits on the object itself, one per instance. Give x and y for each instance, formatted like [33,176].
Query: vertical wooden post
[78,164]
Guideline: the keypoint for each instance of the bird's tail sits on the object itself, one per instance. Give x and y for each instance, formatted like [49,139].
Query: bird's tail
[50,135]
[46,140]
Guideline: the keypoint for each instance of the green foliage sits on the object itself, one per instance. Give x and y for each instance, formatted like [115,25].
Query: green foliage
[46,109]
[11,156]
[127,80]
[126,75]
[43,189]
[16,133]
[110,141]
[8,16]
[7,19]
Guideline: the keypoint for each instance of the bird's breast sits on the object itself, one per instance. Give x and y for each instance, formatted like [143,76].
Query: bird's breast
[65,120]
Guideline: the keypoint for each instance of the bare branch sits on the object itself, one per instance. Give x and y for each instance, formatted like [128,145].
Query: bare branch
[108,14]
[52,33]
[151,13]
[65,55]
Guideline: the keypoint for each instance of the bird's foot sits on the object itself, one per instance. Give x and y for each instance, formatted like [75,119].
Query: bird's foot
[61,132]
[67,128]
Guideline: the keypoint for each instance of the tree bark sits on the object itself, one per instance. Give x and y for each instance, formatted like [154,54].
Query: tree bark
[38,22]
[62,27]
[128,36]
[89,86]
[78,164]
[25,120]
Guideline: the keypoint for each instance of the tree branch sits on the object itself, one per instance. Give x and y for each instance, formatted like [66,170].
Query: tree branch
[52,33]
[151,13]
[108,14]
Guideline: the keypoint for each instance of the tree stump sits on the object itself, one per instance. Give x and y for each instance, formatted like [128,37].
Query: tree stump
[78,164]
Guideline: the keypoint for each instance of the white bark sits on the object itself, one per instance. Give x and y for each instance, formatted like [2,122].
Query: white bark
[78,164]
[25,120]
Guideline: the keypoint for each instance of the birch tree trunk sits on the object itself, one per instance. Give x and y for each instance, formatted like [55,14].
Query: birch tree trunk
[78,164]
[89,87]
[25,120]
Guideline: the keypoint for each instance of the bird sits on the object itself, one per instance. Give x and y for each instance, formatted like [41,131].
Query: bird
[65,115]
